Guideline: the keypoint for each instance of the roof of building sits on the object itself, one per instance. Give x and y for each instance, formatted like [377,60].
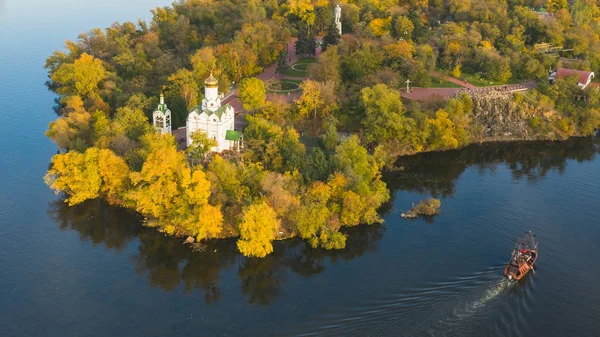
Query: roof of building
[219,112]
[593,85]
[582,75]
[233,135]
[211,80]
[162,108]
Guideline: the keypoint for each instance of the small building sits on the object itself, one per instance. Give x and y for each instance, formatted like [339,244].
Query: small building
[216,120]
[161,117]
[583,77]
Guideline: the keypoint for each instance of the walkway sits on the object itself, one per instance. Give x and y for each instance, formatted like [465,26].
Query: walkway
[452,79]
[269,74]
[432,94]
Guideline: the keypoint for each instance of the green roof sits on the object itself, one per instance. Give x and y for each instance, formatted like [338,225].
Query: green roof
[219,112]
[233,135]
[162,108]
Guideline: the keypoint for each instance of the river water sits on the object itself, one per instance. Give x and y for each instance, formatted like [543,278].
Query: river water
[92,270]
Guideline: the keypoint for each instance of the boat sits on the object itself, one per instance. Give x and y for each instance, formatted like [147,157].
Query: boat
[523,257]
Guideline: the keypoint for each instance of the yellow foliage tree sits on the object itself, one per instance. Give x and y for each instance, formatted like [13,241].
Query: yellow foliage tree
[115,176]
[456,71]
[304,9]
[313,213]
[380,26]
[252,93]
[441,133]
[257,230]
[81,77]
[166,189]
[72,130]
[88,175]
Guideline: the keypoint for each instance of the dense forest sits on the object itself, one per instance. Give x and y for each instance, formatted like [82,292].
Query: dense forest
[296,176]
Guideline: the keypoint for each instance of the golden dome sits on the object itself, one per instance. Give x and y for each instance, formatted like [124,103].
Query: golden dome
[211,81]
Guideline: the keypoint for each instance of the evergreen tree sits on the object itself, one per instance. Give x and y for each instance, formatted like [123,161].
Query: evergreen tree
[332,38]
[282,66]
[306,44]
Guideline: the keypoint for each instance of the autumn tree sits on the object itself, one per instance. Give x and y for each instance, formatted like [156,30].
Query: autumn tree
[81,77]
[72,131]
[383,113]
[441,132]
[403,27]
[184,85]
[311,101]
[93,174]
[133,123]
[252,93]
[172,195]
[327,67]
[278,149]
[257,229]
[201,146]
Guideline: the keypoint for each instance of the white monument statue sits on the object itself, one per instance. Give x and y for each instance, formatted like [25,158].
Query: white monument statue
[214,119]
[338,18]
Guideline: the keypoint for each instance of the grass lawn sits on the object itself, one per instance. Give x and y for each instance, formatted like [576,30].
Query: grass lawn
[283,86]
[309,141]
[478,81]
[437,82]
[301,67]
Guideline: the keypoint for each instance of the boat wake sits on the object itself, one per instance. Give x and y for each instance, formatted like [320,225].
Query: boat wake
[490,294]
[442,308]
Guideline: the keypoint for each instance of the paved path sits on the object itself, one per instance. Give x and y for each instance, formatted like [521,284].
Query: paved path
[452,79]
[431,94]
[269,74]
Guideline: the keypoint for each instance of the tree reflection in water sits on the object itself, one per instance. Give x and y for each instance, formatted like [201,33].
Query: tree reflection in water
[168,263]
[436,173]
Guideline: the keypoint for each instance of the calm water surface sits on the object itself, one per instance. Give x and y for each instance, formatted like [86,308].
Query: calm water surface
[91,270]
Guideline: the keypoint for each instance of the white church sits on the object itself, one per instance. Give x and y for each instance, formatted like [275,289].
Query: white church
[214,119]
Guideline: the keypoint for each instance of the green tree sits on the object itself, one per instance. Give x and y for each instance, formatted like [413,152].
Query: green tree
[184,85]
[306,44]
[317,166]
[383,113]
[81,77]
[403,27]
[331,38]
[282,66]
[133,123]
[252,93]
